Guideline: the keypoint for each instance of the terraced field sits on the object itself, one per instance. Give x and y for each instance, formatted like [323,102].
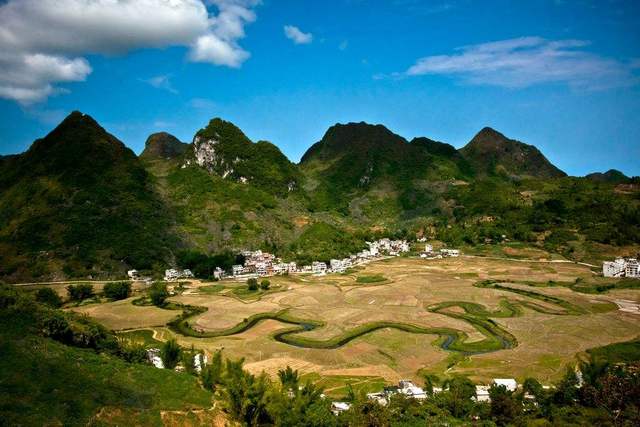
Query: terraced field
[484,317]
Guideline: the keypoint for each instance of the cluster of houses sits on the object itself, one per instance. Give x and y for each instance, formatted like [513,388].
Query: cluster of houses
[265,264]
[409,389]
[621,267]
[171,275]
[442,253]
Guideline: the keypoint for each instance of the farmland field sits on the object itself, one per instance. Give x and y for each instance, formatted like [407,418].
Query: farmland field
[478,316]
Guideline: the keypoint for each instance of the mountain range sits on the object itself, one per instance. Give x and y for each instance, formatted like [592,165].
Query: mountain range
[79,203]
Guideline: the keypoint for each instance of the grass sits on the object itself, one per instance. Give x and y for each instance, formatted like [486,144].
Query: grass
[142,336]
[45,382]
[623,352]
[375,278]
[211,289]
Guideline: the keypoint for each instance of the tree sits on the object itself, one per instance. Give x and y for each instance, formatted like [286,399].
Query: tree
[458,396]
[49,297]
[265,284]
[158,293]
[430,380]
[212,374]
[117,290]
[252,284]
[170,353]
[289,379]
[504,408]
[80,292]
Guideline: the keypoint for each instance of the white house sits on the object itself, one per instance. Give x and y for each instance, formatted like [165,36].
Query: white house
[133,274]
[337,407]
[237,270]
[632,269]
[409,389]
[482,393]
[318,267]
[450,252]
[509,383]
[199,361]
[153,354]
[614,268]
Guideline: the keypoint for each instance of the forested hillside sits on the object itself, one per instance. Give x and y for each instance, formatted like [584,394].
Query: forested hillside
[79,203]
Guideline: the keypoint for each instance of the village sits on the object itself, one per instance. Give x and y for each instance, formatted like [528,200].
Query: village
[263,264]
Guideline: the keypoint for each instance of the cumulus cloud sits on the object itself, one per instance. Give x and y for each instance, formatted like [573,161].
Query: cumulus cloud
[46,39]
[293,33]
[526,61]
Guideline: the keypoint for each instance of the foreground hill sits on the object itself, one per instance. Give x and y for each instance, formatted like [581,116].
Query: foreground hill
[79,202]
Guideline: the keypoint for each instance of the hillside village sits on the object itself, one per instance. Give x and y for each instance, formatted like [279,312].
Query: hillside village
[263,264]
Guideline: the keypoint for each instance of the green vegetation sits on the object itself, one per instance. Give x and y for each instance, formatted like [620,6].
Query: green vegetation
[42,372]
[158,293]
[117,290]
[211,289]
[377,278]
[252,284]
[265,284]
[83,198]
[624,352]
[80,292]
[48,355]
[48,296]
[170,353]
[203,266]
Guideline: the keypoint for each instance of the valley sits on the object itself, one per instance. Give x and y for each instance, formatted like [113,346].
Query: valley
[480,317]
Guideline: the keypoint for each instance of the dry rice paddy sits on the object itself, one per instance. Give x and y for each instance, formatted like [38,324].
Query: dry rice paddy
[545,342]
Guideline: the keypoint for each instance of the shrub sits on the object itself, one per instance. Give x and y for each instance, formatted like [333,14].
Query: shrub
[48,296]
[80,292]
[170,353]
[252,284]
[158,293]
[265,284]
[117,290]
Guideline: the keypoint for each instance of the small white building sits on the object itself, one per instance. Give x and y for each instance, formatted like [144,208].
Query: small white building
[449,252]
[509,383]
[237,270]
[482,393]
[133,274]
[337,407]
[318,267]
[153,354]
[614,268]
[171,275]
[337,265]
[632,269]
[409,389]
[199,361]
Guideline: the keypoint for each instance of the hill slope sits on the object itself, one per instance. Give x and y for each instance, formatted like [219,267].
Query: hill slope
[490,152]
[79,203]
[162,145]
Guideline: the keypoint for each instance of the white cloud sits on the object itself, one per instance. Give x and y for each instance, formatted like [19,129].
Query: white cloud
[293,33]
[42,41]
[161,82]
[527,61]
[343,45]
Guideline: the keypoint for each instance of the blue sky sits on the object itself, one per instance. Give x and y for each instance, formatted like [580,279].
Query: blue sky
[562,75]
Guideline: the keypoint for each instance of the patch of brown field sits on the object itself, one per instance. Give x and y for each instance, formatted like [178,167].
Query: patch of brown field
[122,314]
[382,371]
[301,221]
[546,342]
[273,365]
